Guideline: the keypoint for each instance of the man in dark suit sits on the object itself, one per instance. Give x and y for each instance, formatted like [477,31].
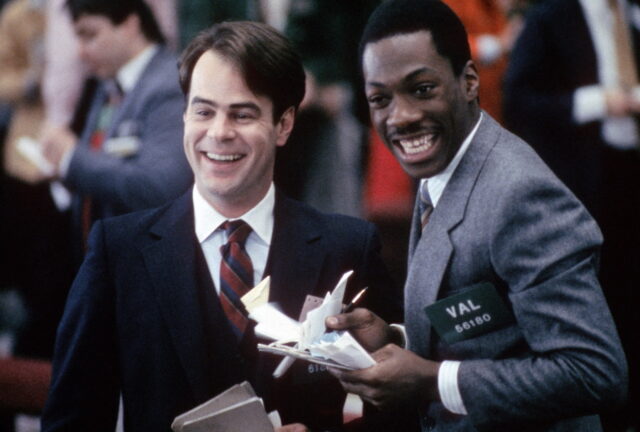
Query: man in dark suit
[149,315]
[506,325]
[127,156]
[567,95]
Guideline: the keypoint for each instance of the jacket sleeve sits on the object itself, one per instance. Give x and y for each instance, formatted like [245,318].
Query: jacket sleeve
[545,246]
[85,385]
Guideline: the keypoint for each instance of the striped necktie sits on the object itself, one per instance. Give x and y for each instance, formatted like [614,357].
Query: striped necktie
[425,205]
[236,274]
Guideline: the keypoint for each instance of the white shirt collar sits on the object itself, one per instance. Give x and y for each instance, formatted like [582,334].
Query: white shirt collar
[260,218]
[438,182]
[129,74]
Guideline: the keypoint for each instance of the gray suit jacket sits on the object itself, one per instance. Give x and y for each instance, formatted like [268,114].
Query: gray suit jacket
[150,117]
[504,218]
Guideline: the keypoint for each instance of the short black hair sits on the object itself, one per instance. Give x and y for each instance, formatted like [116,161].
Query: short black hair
[395,17]
[269,64]
[117,11]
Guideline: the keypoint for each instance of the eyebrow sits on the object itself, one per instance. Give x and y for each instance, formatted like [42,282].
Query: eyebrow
[248,105]
[408,77]
[239,105]
[199,100]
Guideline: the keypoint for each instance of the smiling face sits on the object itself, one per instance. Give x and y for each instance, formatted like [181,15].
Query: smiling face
[420,109]
[230,138]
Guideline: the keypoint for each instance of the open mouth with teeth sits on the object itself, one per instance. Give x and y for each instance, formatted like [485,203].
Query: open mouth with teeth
[223,157]
[415,147]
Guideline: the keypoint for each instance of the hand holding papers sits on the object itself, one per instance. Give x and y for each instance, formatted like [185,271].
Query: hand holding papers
[237,409]
[311,341]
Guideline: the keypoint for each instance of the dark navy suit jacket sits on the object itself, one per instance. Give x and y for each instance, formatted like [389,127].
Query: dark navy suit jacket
[143,319]
[552,58]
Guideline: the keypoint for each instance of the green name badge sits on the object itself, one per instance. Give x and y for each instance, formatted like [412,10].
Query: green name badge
[476,311]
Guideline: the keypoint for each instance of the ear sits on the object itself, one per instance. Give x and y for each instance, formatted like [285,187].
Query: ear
[470,81]
[285,126]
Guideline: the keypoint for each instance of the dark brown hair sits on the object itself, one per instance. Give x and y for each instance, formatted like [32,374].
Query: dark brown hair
[265,58]
[117,11]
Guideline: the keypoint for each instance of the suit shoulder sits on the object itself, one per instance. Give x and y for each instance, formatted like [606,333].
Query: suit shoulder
[161,75]
[513,159]
[129,225]
[338,225]
[514,178]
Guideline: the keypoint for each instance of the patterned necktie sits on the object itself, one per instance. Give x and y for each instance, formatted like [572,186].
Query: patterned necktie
[236,274]
[425,206]
[113,98]
[627,73]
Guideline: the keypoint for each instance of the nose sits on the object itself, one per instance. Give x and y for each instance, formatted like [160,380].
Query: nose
[221,129]
[403,112]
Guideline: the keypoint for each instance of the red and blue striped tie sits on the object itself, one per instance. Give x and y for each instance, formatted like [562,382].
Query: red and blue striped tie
[236,274]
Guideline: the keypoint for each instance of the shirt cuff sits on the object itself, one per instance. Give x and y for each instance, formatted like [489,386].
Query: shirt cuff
[589,104]
[448,387]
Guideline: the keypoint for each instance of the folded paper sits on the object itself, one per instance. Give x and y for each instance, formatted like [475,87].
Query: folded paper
[310,340]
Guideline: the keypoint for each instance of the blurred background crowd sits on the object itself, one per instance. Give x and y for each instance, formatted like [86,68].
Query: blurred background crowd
[550,71]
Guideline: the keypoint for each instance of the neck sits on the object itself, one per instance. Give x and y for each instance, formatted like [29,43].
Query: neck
[474,115]
[136,47]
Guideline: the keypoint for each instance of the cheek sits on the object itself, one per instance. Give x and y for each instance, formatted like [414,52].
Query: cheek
[378,119]
[193,132]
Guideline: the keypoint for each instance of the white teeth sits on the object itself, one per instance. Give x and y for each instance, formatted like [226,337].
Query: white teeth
[416,145]
[223,158]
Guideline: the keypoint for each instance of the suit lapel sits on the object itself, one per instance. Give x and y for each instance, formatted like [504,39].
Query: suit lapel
[132,100]
[172,263]
[430,257]
[296,255]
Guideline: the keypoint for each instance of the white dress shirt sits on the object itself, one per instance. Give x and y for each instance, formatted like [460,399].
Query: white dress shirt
[211,237]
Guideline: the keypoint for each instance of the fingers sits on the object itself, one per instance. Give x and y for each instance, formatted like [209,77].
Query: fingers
[360,382]
[398,375]
[385,353]
[621,102]
[368,386]
[357,319]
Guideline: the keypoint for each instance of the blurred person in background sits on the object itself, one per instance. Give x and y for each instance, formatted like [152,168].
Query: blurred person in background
[128,155]
[572,91]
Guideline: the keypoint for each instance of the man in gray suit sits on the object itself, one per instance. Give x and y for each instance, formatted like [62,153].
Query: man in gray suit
[506,325]
[128,155]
